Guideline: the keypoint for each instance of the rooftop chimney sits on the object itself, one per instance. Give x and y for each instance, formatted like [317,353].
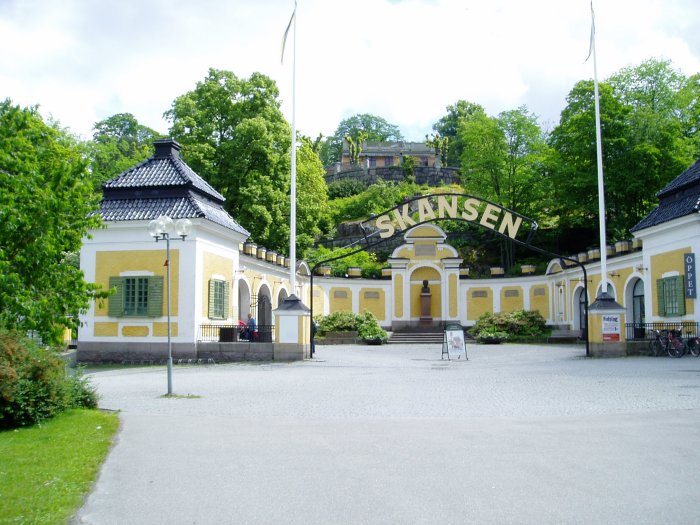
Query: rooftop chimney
[166,148]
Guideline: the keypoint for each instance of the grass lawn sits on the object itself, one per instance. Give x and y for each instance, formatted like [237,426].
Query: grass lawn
[47,470]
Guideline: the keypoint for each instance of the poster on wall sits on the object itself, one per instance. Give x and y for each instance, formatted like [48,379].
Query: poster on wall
[611,327]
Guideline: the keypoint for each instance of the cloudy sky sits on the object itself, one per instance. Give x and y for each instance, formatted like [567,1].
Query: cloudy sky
[404,60]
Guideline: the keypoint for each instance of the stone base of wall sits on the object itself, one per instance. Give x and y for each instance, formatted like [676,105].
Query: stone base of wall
[232,352]
[608,349]
[290,352]
[100,352]
[103,352]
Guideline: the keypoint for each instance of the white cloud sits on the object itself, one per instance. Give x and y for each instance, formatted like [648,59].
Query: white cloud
[83,61]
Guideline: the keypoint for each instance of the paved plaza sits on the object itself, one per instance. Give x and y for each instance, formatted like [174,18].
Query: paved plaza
[391,435]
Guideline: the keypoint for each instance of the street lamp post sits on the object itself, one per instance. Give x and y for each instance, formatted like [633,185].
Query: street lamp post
[161,229]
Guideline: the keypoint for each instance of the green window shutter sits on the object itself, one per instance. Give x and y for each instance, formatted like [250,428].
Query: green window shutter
[115,307]
[155,296]
[679,288]
[660,300]
[226,299]
[212,299]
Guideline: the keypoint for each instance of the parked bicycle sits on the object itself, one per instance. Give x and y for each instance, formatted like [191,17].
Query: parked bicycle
[671,342]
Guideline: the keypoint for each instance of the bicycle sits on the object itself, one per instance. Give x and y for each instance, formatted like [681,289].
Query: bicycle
[676,346]
[693,346]
[659,344]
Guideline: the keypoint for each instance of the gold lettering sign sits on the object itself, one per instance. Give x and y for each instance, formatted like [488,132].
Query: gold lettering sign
[450,206]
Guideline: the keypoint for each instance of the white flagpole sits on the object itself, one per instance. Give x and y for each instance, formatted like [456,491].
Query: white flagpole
[293,182]
[599,152]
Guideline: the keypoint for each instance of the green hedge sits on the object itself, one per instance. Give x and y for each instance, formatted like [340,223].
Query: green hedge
[34,383]
[365,324]
[508,325]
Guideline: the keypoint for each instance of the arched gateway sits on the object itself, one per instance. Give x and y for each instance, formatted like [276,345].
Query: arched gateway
[425,270]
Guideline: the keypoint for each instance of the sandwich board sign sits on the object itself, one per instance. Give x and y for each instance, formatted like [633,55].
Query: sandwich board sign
[453,344]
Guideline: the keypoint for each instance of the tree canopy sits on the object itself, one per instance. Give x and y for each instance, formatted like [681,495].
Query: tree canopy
[118,143]
[46,200]
[235,136]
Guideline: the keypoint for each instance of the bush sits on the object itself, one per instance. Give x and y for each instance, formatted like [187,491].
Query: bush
[506,325]
[345,188]
[365,324]
[34,385]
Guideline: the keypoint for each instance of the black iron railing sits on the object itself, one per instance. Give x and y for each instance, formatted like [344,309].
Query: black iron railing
[229,333]
[645,331]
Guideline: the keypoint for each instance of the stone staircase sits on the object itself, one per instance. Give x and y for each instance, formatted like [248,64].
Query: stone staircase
[429,335]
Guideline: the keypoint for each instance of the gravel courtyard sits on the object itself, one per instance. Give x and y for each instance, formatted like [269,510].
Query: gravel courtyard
[391,434]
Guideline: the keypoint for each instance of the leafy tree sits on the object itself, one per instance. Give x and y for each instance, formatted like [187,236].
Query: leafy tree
[573,164]
[235,136]
[46,205]
[312,196]
[119,142]
[502,162]
[448,127]
[375,129]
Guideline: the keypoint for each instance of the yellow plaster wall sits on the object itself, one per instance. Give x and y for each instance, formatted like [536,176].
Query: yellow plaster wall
[453,299]
[540,302]
[417,278]
[106,330]
[112,263]
[318,302]
[135,331]
[398,296]
[668,262]
[338,304]
[214,264]
[161,329]
[511,304]
[376,306]
[478,306]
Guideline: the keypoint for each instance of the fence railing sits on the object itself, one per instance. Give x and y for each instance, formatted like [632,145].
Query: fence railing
[230,333]
[645,331]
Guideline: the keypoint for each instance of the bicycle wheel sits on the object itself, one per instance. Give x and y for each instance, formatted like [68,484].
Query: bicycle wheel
[675,347]
[655,347]
[694,346]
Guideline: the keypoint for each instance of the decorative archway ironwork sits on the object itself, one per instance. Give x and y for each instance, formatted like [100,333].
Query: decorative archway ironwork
[461,207]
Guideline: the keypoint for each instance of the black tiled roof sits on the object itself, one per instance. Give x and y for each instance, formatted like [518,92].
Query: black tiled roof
[679,198]
[162,172]
[164,185]
[689,177]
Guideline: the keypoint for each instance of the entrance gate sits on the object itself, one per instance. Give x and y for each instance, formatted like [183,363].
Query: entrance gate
[460,207]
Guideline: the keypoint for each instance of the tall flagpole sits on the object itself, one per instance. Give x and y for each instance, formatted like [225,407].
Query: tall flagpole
[293,182]
[599,159]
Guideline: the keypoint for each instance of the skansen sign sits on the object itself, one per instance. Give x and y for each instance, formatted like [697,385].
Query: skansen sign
[462,207]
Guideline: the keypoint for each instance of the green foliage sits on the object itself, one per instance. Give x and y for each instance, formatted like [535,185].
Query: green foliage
[345,188]
[366,261]
[408,165]
[34,385]
[448,127]
[119,142]
[521,323]
[48,469]
[365,324]
[337,322]
[368,328]
[235,136]
[46,208]
[376,199]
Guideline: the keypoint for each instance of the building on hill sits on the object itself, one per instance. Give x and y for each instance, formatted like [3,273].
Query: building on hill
[388,154]
[218,277]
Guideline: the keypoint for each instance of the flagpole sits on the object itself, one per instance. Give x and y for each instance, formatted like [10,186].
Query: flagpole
[599,160]
[293,178]
[293,185]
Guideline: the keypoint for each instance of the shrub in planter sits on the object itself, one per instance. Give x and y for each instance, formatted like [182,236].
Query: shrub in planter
[368,329]
[491,337]
[34,385]
[521,323]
